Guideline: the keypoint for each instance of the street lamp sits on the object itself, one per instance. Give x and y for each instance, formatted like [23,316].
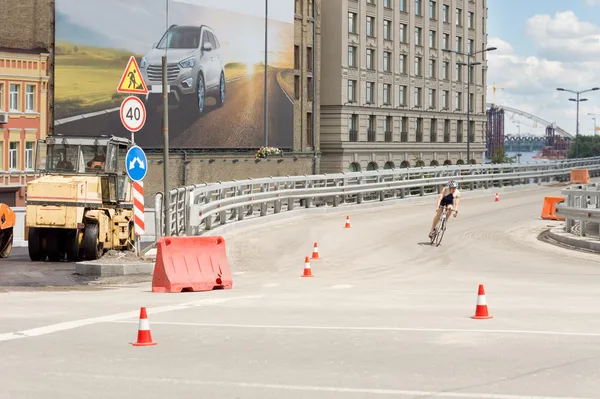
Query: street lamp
[577,100]
[468,65]
[594,119]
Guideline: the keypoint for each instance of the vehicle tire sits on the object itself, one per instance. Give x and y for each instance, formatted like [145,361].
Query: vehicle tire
[53,250]
[6,242]
[440,234]
[200,95]
[34,245]
[220,97]
[74,252]
[92,247]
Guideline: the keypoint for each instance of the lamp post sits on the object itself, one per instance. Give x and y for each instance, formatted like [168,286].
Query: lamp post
[469,64]
[577,100]
[594,119]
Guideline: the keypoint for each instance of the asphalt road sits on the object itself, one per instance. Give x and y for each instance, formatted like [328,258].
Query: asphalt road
[385,315]
[237,124]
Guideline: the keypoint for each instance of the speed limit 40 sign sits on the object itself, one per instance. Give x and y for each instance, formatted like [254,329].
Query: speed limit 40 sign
[133,113]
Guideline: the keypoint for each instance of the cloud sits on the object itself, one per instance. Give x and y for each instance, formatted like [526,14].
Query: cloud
[592,2]
[567,54]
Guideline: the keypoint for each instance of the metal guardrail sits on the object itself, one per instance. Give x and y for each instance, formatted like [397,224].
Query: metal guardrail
[197,208]
[580,208]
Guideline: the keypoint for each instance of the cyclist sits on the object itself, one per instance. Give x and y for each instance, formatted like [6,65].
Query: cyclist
[449,197]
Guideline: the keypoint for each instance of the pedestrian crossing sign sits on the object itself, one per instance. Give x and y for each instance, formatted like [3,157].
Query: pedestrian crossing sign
[132,80]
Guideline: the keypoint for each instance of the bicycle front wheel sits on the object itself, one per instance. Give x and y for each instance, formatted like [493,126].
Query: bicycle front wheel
[440,233]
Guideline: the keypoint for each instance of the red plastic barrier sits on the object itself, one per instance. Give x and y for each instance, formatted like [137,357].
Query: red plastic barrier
[191,264]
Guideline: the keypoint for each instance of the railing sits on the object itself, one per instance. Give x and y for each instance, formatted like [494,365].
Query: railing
[581,209]
[197,208]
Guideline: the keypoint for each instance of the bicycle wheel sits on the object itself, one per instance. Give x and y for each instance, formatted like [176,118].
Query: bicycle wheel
[440,233]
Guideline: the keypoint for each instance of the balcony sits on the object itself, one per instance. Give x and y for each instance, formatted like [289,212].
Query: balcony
[371,135]
[353,136]
[388,136]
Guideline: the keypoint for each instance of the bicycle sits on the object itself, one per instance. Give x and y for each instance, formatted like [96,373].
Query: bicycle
[440,228]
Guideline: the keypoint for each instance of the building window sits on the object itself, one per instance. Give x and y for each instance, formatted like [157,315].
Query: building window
[352,22]
[309,59]
[432,9]
[370,58]
[29,155]
[404,131]
[446,13]
[309,88]
[418,41]
[13,153]
[30,98]
[459,101]
[446,130]
[402,66]
[471,46]
[352,56]
[309,129]
[471,72]
[387,94]
[432,67]
[445,66]
[459,73]
[297,87]
[446,41]
[351,91]
[1,103]
[297,57]
[352,127]
[459,131]
[432,98]
[458,17]
[389,125]
[471,20]
[403,5]
[386,61]
[403,38]
[371,128]
[459,44]
[419,130]
[471,101]
[387,29]
[371,26]
[418,7]
[418,67]
[370,92]
[387,3]
[417,97]
[432,39]
[433,131]
[402,95]
[445,95]
[14,97]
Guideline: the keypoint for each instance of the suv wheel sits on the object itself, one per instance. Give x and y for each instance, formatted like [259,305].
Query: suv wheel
[200,94]
[221,97]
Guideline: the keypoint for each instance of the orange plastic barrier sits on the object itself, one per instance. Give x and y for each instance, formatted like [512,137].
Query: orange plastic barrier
[549,208]
[580,176]
[191,264]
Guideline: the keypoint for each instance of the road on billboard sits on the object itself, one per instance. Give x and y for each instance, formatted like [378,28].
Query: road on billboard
[384,315]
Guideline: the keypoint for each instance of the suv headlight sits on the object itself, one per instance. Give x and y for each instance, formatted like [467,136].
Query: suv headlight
[143,63]
[188,62]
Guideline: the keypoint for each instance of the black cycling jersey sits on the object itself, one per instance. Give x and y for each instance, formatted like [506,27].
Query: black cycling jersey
[447,199]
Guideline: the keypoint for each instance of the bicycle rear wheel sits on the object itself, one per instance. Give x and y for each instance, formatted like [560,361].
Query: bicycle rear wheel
[440,233]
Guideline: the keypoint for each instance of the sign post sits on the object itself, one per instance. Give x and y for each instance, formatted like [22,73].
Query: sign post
[133,118]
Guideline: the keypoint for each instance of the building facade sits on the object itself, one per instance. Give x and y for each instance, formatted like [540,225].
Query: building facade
[393,90]
[23,107]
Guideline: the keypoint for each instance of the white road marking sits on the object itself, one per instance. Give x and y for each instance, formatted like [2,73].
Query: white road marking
[313,388]
[69,325]
[358,328]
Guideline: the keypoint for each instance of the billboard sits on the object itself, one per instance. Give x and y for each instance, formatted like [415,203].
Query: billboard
[216,73]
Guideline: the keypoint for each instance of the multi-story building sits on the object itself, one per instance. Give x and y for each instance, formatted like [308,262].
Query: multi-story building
[394,91]
[23,106]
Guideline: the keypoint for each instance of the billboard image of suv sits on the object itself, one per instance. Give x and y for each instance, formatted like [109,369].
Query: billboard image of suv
[194,68]
[216,71]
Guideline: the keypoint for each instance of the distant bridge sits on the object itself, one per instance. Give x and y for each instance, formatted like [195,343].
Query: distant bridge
[532,117]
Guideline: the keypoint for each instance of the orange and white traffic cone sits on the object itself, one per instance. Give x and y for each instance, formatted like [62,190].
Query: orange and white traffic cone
[347,226]
[497,198]
[481,311]
[144,336]
[315,253]
[307,269]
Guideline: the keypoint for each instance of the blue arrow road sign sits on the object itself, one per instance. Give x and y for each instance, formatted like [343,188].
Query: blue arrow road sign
[136,163]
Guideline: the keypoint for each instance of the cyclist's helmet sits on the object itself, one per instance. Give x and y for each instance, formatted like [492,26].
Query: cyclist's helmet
[452,184]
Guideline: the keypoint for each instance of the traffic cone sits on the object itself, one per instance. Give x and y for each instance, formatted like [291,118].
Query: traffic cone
[144,336]
[347,226]
[307,269]
[497,198]
[481,311]
[315,253]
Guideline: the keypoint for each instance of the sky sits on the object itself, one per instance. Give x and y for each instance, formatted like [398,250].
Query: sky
[542,45]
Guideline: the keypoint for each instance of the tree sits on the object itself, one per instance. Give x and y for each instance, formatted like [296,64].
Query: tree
[501,157]
[589,146]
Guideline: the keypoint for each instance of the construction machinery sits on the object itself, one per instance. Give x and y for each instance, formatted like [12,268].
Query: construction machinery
[82,205]
[7,224]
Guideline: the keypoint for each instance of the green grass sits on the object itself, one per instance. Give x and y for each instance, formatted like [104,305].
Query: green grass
[87,78]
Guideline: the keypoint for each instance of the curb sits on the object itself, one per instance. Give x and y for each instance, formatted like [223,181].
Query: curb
[558,234]
[113,269]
